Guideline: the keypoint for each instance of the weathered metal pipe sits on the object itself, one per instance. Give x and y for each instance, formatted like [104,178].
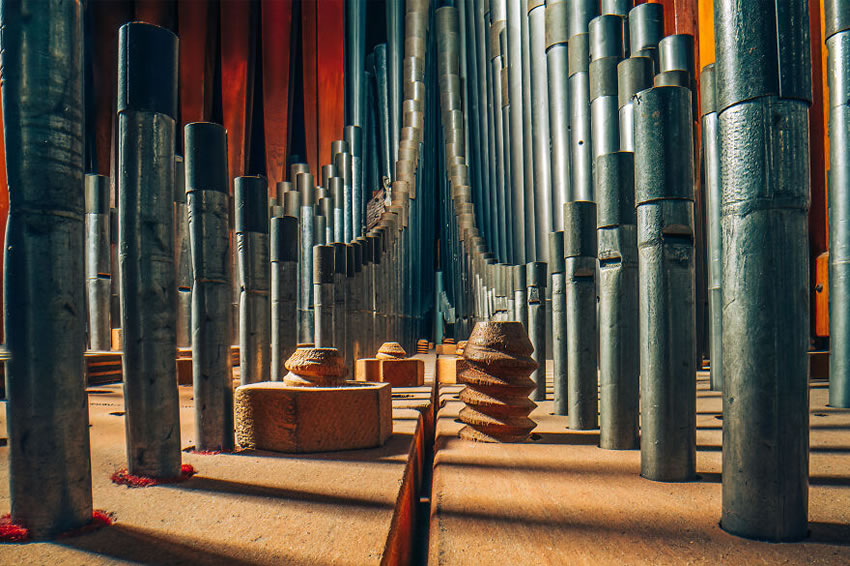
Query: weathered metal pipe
[580,134]
[501,228]
[580,292]
[252,248]
[606,37]
[343,164]
[711,156]
[354,138]
[306,328]
[604,111]
[182,258]
[355,53]
[98,262]
[515,131]
[619,352]
[208,202]
[540,139]
[557,65]
[340,314]
[383,112]
[520,295]
[838,180]
[49,455]
[395,54]
[323,295]
[147,107]
[536,289]
[633,75]
[559,322]
[664,188]
[283,233]
[646,28]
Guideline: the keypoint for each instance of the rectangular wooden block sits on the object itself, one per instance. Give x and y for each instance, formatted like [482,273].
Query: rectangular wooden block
[184,371]
[116,340]
[367,369]
[448,367]
[276,417]
[103,367]
[409,372]
[446,349]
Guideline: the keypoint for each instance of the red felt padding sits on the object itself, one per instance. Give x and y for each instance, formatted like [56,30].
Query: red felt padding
[13,533]
[122,477]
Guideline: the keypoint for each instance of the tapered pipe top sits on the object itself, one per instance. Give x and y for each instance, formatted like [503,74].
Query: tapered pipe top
[580,229]
[342,162]
[664,139]
[328,172]
[337,190]
[633,75]
[646,26]
[305,187]
[97,194]
[284,239]
[147,70]
[676,53]
[205,146]
[618,7]
[615,189]
[297,168]
[579,54]
[250,198]
[836,17]
[339,146]
[354,138]
[581,12]
[762,49]
[606,37]
[557,23]
[292,204]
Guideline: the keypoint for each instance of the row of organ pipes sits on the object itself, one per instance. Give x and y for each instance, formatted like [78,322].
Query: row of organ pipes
[533,161]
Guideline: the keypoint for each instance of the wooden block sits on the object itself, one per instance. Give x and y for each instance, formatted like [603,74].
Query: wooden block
[367,369]
[448,367]
[446,349]
[276,417]
[822,294]
[408,372]
[116,340]
[103,367]
[184,371]
[819,365]
[184,353]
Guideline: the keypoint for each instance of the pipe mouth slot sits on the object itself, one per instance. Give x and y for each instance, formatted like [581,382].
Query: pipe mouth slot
[105,276]
[680,239]
[184,289]
[584,274]
[610,262]
[677,231]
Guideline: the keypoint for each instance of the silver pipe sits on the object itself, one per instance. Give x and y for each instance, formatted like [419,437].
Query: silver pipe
[208,202]
[339,324]
[540,139]
[306,328]
[633,76]
[559,323]
[557,64]
[284,296]
[354,138]
[514,130]
[98,262]
[536,286]
[580,134]
[47,410]
[323,295]
[182,258]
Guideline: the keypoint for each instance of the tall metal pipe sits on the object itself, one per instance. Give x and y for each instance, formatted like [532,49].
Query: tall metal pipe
[252,248]
[646,28]
[383,111]
[323,295]
[619,352]
[559,322]
[355,61]
[182,258]
[326,210]
[340,258]
[520,294]
[580,134]
[518,182]
[487,163]
[501,229]
[540,138]
[664,191]
[711,156]
[352,329]
[536,289]
[98,262]
[283,232]
[557,65]
[49,455]
[633,75]
[837,17]
[343,165]
[147,107]
[604,111]
[306,329]
[208,203]
[580,292]
[395,54]
[354,138]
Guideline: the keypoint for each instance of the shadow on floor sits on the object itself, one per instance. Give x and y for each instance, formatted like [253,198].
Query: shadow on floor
[829,533]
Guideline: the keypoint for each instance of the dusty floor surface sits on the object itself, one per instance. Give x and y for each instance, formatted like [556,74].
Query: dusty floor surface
[563,500]
[249,508]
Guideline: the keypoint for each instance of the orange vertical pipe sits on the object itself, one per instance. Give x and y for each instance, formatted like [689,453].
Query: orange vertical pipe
[4,207]
[706,33]
[819,151]
[331,71]
[309,48]
[237,80]
[195,22]
[276,18]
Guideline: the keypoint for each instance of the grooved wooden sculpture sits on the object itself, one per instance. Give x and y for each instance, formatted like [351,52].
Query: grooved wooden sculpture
[391,351]
[496,374]
[391,365]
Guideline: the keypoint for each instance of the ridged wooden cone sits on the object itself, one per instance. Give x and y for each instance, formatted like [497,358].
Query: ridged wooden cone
[315,367]
[496,374]
[391,351]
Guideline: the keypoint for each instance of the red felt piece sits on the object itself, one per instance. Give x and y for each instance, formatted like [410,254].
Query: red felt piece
[123,477]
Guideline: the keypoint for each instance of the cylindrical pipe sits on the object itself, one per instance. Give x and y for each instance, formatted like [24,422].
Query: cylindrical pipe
[340,257]
[306,329]
[516,130]
[98,262]
[147,107]
[711,156]
[520,295]
[383,113]
[633,76]
[355,52]
[182,258]
[604,117]
[664,187]
[646,28]
[252,247]
[580,135]
[323,295]
[536,286]
[49,455]
[580,292]
[342,162]
[559,322]
[619,353]
[557,65]
[283,233]
[395,54]
[500,230]
[540,136]
[838,180]
[207,196]
[354,137]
